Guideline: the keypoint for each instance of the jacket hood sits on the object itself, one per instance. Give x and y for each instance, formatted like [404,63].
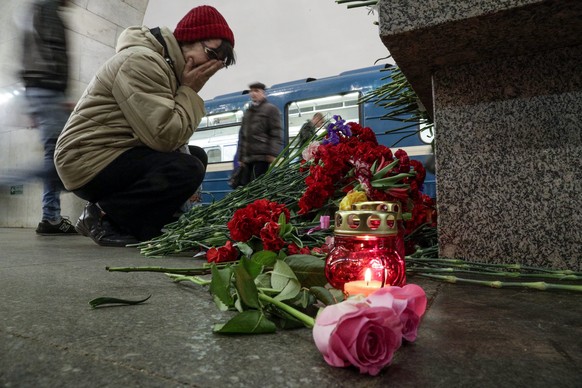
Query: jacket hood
[142,36]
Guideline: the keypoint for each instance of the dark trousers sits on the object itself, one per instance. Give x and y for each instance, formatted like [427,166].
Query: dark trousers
[257,169]
[142,189]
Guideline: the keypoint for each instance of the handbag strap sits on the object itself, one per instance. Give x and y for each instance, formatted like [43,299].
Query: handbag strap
[157,33]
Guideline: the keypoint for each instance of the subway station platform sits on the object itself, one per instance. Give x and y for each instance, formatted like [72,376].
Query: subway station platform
[470,336]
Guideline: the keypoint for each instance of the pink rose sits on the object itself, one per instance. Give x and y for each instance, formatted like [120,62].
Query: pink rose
[365,332]
[355,333]
[411,300]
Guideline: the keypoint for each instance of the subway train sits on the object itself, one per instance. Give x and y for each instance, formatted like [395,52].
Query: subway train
[298,101]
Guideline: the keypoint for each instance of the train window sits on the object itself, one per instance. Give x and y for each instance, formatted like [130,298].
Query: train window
[214,154]
[217,134]
[203,122]
[345,106]
[221,118]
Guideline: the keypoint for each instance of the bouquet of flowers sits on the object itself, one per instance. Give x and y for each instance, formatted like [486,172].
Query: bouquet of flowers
[341,166]
[345,166]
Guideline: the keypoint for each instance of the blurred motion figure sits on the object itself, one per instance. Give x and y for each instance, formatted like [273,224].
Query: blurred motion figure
[45,73]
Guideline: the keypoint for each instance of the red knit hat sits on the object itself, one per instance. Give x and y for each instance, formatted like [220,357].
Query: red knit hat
[202,23]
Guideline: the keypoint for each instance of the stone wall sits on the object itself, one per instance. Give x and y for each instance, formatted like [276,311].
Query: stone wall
[503,81]
[509,155]
[94,26]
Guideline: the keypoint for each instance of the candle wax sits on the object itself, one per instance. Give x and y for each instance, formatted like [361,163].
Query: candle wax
[361,287]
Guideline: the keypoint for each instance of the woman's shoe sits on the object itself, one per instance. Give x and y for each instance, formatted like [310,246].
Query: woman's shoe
[94,223]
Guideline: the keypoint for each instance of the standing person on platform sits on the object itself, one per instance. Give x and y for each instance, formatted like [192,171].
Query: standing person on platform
[124,149]
[45,73]
[261,134]
[310,127]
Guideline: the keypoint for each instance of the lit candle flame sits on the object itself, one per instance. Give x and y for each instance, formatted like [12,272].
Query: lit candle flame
[368,276]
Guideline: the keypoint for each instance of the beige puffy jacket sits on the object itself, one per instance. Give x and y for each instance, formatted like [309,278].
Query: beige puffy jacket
[134,100]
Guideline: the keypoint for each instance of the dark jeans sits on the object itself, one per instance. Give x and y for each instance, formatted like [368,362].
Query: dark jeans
[257,169]
[48,110]
[142,189]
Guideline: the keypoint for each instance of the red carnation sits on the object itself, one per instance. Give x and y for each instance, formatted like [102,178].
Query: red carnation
[270,236]
[223,254]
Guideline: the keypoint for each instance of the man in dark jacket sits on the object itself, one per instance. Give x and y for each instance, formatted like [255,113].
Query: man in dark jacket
[45,73]
[261,133]
[309,128]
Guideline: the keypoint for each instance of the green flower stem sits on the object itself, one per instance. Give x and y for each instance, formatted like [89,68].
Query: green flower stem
[466,264]
[361,3]
[270,290]
[306,319]
[193,279]
[202,224]
[177,271]
[560,276]
[543,286]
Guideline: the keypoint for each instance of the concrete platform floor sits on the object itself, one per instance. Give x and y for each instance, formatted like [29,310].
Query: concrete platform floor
[50,337]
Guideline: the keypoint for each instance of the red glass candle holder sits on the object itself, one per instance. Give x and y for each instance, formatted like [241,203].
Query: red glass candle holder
[367,239]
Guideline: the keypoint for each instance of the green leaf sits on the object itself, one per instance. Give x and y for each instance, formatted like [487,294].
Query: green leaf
[253,268]
[255,244]
[327,296]
[220,287]
[247,322]
[282,221]
[373,167]
[285,230]
[263,280]
[309,269]
[304,299]
[245,249]
[296,240]
[284,320]
[392,179]
[283,279]
[303,302]
[238,305]
[385,170]
[264,258]
[104,300]
[245,286]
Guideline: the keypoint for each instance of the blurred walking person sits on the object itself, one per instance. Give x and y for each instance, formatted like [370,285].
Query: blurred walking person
[45,73]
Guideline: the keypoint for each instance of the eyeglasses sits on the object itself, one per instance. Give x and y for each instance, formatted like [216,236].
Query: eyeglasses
[210,53]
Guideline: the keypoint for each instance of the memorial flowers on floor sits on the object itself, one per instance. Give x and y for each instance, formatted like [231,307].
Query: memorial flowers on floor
[267,265]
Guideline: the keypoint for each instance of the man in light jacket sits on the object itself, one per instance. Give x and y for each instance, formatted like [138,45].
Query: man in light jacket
[120,149]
